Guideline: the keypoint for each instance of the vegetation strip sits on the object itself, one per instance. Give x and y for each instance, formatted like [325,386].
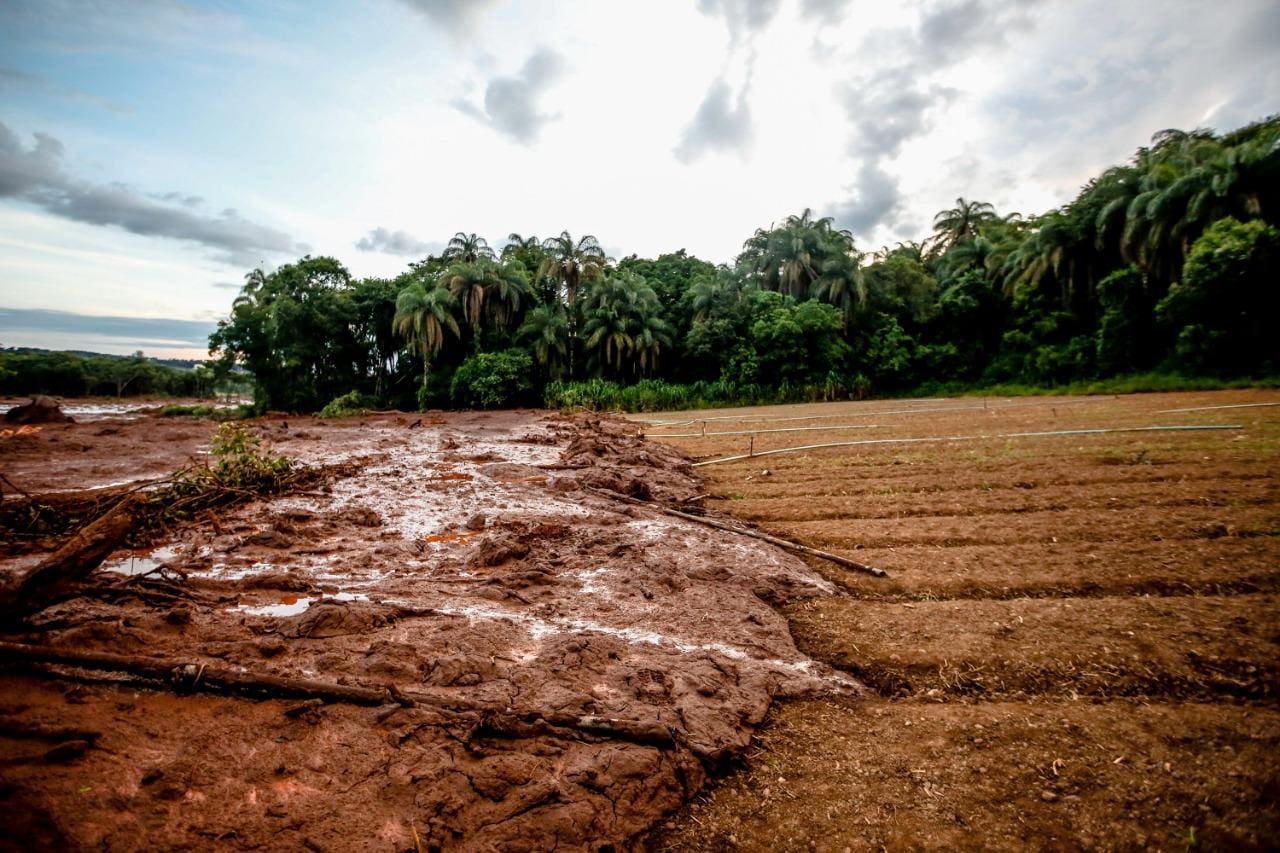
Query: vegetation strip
[1056,432]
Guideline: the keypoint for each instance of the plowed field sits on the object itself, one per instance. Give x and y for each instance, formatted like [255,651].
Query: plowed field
[1077,643]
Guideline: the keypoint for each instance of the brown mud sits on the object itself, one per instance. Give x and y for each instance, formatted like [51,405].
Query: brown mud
[1076,647]
[578,666]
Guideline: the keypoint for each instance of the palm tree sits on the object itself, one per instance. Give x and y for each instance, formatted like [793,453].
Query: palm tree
[507,291]
[490,293]
[546,331]
[422,318]
[623,322]
[517,242]
[962,221]
[467,248]
[568,264]
[793,257]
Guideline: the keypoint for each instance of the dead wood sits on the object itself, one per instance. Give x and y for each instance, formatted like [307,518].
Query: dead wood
[754,534]
[78,556]
[199,677]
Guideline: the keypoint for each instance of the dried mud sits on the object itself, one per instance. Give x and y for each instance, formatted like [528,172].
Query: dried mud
[579,665]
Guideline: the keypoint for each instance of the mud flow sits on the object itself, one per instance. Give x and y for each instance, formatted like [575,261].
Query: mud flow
[531,664]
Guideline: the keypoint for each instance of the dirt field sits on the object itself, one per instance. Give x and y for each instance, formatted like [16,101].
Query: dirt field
[1076,646]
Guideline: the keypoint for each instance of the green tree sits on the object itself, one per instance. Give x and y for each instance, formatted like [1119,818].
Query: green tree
[467,248]
[546,332]
[568,264]
[624,328]
[805,258]
[294,331]
[962,221]
[422,318]
[1223,311]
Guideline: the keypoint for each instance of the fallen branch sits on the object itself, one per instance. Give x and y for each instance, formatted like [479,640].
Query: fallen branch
[754,534]
[80,555]
[198,677]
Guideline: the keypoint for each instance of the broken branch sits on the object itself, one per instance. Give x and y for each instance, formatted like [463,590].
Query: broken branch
[754,534]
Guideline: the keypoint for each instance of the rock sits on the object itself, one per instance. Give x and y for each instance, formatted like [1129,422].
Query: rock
[41,410]
[476,522]
[1049,796]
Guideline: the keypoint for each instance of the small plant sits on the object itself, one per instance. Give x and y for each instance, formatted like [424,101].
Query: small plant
[239,463]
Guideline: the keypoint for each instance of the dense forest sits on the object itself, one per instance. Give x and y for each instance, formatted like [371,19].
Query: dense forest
[26,370]
[1167,263]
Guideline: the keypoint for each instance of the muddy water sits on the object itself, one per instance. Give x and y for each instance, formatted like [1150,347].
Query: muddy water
[467,560]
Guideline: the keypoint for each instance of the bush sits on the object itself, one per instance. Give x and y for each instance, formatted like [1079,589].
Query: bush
[492,380]
[1223,311]
[350,404]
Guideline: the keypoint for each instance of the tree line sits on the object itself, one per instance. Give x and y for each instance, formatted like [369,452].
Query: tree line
[79,374]
[1166,263]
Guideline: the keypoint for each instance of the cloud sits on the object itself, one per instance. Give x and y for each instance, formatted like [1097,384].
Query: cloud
[511,103]
[899,101]
[825,12]
[459,17]
[152,331]
[15,78]
[744,17]
[949,33]
[396,243]
[35,175]
[873,200]
[722,123]
[888,109]
[184,199]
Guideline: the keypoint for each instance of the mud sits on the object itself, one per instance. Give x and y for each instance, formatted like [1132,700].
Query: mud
[585,664]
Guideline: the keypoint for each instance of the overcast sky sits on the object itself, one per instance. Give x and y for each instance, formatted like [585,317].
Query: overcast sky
[153,151]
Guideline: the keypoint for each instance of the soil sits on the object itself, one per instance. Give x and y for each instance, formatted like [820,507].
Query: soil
[572,668]
[1075,648]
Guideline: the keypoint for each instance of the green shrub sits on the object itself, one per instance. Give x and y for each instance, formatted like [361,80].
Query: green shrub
[492,380]
[351,404]
[1223,310]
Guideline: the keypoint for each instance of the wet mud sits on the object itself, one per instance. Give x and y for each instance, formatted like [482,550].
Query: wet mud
[579,665]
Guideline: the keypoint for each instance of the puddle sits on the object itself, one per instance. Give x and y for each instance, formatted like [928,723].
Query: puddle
[141,562]
[292,605]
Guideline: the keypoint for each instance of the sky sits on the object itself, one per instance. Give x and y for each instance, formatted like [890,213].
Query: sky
[154,151]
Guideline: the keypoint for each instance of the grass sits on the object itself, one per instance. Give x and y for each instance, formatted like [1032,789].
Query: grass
[655,395]
[1138,383]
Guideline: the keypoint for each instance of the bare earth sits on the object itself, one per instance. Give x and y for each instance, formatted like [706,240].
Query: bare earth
[1076,646]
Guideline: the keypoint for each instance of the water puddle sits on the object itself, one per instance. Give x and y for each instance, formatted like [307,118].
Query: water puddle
[141,562]
[292,605]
